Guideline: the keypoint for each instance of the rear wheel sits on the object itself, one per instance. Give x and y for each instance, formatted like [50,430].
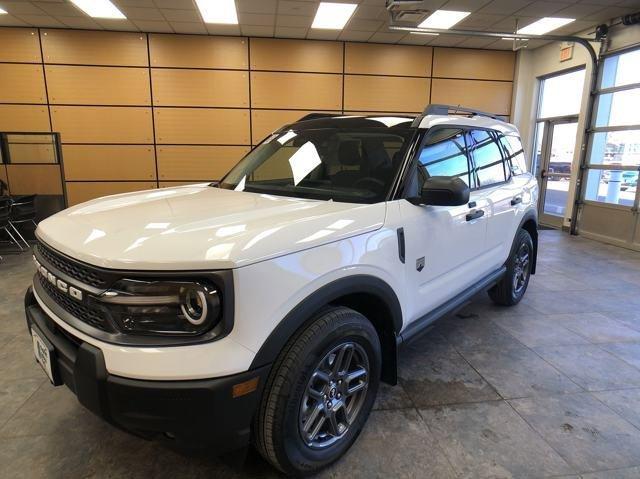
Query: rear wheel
[320,392]
[511,288]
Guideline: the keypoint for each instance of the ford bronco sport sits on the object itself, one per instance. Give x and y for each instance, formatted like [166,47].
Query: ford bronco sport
[267,307]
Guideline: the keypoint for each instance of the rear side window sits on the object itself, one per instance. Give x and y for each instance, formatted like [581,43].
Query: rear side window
[487,157]
[445,154]
[515,153]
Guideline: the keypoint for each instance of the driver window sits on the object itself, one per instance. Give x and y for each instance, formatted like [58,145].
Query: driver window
[444,153]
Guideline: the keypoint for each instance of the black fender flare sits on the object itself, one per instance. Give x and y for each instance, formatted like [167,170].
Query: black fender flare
[304,311]
[531,215]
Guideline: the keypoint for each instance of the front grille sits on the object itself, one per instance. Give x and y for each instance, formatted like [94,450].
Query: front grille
[78,310]
[81,273]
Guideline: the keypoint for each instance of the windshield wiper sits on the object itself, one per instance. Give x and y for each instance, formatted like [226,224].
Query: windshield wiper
[214,184]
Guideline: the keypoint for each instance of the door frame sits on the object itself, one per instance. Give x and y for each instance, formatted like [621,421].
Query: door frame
[542,175]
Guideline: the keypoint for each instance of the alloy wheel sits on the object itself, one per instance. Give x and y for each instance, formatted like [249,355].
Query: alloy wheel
[334,395]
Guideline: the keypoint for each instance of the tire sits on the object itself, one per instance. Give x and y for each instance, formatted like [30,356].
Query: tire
[511,288]
[296,388]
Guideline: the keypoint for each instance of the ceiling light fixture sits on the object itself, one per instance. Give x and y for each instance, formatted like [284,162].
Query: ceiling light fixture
[333,16]
[99,9]
[425,33]
[545,25]
[443,19]
[2,12]
[218,11]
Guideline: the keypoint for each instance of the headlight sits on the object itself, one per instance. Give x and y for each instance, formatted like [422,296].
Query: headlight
[163,307]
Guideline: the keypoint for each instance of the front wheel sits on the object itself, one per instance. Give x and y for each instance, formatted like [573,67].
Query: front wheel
[319,393]
[511,288]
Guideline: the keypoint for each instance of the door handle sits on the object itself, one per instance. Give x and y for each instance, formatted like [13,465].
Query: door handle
[517,200]
[543,173]
[475,215]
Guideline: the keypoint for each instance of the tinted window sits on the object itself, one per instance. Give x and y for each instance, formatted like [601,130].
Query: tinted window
[484,149]
[515,153]
[444,154]
[340,164]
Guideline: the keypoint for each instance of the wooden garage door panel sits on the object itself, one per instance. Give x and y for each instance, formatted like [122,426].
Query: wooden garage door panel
[21,83]
[196,51]
[490,96]
[74,85]
[77,47]
[296,90]
[79,192]
[378,59]
[473,64]
[173,87]
[102,124]
[296,55]
[371,93]
[202,163]
[34,179]
[109,162]
[19,45]
[202,126]
[265,122]
[24,118]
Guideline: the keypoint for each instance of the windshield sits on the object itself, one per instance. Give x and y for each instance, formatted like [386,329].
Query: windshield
[342,164]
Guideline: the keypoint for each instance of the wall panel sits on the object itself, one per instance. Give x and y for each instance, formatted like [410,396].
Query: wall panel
[197,162]
[21,83]
[296,55]
[385,93]
[173,184]
[172,87]
[79,85]
[212,96]
[102,124]
[33,118]
[19,45]
[109,162]
[491,96]
[202,126]
[34,179]
[400,60]
[195,51]
[78,192]
[296,90]
[80,47]
[473,64]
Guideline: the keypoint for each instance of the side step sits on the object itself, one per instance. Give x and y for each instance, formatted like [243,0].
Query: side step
[420,325]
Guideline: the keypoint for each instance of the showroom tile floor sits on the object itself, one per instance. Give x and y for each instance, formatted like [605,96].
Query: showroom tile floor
[550,388]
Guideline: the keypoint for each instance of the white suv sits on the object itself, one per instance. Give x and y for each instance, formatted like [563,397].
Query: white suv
[268,307]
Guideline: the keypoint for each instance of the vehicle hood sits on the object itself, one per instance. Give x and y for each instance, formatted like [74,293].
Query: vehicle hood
[199,227]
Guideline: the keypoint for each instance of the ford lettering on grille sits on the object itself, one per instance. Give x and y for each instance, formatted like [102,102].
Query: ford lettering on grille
[65,288]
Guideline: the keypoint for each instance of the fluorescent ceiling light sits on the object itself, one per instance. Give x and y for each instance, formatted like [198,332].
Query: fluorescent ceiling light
[426,33]
[333,16]
[218,11]
[99,9]
[443,19]
[2,12]
[545,25]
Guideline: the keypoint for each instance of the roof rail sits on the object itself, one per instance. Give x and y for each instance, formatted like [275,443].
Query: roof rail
[315,116]
[437,109]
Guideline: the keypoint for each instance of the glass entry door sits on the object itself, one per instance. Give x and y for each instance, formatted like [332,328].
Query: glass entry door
[556,145]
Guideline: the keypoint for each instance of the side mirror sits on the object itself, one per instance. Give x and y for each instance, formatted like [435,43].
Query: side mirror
[443,191]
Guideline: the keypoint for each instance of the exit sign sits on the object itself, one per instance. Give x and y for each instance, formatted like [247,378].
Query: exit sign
[566,51]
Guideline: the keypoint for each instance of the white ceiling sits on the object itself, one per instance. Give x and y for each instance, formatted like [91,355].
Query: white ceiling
[292,18]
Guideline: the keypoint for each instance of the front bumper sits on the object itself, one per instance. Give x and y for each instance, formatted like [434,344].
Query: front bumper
[195,413]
